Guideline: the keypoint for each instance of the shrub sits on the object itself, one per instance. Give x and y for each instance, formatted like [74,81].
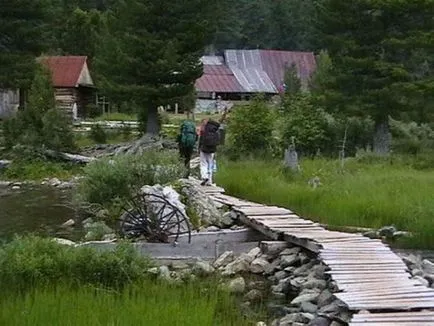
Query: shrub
[305,124]
[250,128]
[98,134]
[32,261]
[410,137]
[40,124]
[107,180]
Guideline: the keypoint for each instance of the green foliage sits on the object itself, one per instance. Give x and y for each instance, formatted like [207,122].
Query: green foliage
[292,81]
[98,134]
[148,302]
[372,194]
[381,65]
[174,33]
[24,169]
[40,124]
[250,128]
[22,38]
[28,262]
[305,124]
[121,177]
[412,138]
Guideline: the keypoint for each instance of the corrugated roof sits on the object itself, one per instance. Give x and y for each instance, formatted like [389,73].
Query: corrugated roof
[253,71]
[275,63]
[247,68]
[65,70]
[218,78]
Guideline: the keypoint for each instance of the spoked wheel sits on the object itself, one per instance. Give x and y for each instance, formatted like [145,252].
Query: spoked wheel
[155,218]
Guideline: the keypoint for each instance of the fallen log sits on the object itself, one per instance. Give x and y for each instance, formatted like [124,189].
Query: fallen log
[75,158]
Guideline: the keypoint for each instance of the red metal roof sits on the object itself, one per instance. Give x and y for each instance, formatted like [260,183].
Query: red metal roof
[65,70]
[218,78]
[275,62]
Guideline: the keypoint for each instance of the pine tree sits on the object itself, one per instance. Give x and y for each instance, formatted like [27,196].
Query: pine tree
[22,38]
[154,60]
[372,44]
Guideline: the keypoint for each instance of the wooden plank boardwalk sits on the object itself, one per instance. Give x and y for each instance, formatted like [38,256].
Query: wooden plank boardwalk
[369,275]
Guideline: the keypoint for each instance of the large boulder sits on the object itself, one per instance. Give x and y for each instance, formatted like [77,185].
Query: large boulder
[198,203]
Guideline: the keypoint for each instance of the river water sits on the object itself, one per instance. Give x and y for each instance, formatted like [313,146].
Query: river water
[37,210]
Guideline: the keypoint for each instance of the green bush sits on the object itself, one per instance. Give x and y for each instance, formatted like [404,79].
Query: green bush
[40,124]
[411,138]
[27,262]
[107,180]
[250,128]
[305,124]
[98,134]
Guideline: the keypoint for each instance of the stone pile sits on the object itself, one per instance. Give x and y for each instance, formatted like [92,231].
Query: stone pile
[421,270]
[301,292]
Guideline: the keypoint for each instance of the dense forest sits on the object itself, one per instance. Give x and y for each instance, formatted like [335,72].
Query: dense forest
[377,63]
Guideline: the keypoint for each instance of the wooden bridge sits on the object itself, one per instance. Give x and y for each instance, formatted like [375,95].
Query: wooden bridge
[373,281]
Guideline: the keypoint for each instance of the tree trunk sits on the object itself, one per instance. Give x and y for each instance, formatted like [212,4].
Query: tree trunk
[382,137]
[152,123]
[22,98]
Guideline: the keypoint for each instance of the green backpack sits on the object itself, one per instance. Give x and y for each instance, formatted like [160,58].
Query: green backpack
[188,134]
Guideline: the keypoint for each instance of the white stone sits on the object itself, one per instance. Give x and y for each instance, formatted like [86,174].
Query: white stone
[16,187]
[261,323]
[4,183]
[164,273]
[305,298]
[421,280]
[237,266]
[65,242]
[68,223]
[54,182]
[237,285]
[428,266]
[224,259]
[259,266]
[255,252]
[203,268]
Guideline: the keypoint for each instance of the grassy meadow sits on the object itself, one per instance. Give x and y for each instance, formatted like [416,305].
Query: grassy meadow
[148,303]
[44,283]
[360,194]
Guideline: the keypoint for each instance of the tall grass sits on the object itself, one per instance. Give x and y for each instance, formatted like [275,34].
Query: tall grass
[147,303]
[369,195]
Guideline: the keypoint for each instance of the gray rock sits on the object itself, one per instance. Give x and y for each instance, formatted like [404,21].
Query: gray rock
[164,273]
[325,298]
[259,266]
[15,187]
[428,266]
[4,184]
[109,237]
[429,278]
[261,323]
[202,268]
[411,259]
[290,251]
[211,228]
[421,280]
[153,271]
[96,231]
[298,282]
[308,307]
[224,259]
[309,297]
[416,272]
[333,308]
[253,295]
[239,265]
[280,275]
[54,182]
[304,259]
[254,253]
[318,271]
[228,219]
[68,223]
[303,270]
[179,265]
[291,319]
[320,321]
[290,270]
[4,164]
[313,283]
[199,202]
[274,266]
[288,260]
[336,323]
[237,285]
[65,242]
[278,295]
[387,231]
[282,286]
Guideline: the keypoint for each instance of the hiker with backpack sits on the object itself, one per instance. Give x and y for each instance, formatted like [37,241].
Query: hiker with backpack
[209,139]
[186,143]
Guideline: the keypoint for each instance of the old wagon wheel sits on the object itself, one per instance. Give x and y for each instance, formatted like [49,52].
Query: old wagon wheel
[155,218]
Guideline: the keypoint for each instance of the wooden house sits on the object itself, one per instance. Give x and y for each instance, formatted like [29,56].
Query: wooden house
[72,83]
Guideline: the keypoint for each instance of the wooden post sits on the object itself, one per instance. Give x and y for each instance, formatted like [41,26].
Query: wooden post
[176,108]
